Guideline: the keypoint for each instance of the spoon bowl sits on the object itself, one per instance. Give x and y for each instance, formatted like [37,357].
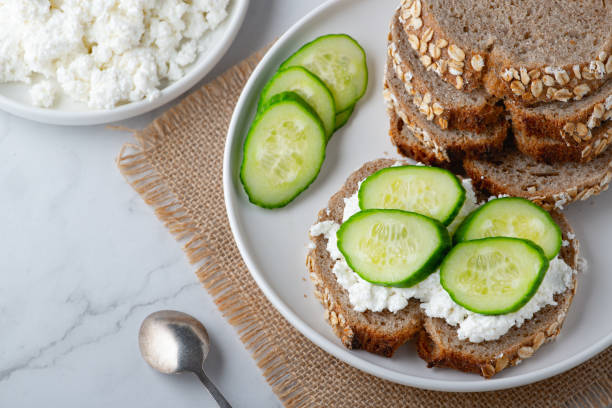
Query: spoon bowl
[173,342]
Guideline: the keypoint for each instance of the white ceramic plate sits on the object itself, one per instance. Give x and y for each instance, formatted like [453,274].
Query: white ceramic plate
[15,99]
[273,243]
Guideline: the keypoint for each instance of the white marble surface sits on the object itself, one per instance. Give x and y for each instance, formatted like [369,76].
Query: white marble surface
[84,260]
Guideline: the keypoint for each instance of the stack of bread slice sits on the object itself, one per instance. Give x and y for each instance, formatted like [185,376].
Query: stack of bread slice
[516,95]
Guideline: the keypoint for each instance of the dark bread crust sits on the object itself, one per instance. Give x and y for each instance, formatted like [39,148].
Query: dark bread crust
[402,133]
[583,125]
[377,332]
[513,173]
[446,147]
[510,172]
[413,148]
[469,115]
[439,345]
[551,120]
[497,63]
[551,150]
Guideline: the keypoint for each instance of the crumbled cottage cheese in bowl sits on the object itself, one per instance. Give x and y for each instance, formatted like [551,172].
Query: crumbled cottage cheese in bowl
[102,53]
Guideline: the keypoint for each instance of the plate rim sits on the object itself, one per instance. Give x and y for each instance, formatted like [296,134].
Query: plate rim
[348,356]
[233,24]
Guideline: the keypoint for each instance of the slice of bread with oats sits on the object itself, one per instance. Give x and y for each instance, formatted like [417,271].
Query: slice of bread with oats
[577,130]
[564,121]
[380,318]
[436,99]
[510,172]
[449,146]
[564,131]
[513,49]
[574,149]
[549,185]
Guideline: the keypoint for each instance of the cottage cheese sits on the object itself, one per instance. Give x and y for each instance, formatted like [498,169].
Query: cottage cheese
[102,53]
[43,93]
[435,301]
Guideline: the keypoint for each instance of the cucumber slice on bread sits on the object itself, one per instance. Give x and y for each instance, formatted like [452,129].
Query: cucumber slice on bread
[512,217]
[309,87]
[283,151]
[340,62]
[393,247]
[430,191]
[493,276]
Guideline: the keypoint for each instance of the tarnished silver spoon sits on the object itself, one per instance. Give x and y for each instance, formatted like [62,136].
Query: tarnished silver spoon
[173,342]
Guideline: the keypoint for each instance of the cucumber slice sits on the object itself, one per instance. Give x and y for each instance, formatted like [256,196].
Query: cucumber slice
[512,217]
[283,151]
[340,62]
[343,117]
[431,191]
[392,247]
[307,86]
[493,276]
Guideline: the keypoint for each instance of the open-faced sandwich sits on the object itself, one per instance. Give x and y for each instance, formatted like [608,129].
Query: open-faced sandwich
[472,258]
[405,250]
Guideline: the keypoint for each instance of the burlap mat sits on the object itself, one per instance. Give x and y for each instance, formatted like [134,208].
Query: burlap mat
[176,166]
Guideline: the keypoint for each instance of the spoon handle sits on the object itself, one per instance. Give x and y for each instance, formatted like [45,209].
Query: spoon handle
[214,391]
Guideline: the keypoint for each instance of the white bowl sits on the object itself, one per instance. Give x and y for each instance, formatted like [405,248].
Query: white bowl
[14,97]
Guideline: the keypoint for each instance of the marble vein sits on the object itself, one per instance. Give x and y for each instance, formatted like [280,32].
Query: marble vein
[89,311]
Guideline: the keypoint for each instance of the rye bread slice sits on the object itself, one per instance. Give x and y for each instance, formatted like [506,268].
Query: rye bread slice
[402,136]
[447,145]
[440,346]
[383,332]
[436,99]
[551,150]
[510,172]
[377,332]
[532,51]
[565,121]
[550,185]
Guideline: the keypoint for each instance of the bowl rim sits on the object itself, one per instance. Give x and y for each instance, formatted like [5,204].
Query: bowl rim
[206,62]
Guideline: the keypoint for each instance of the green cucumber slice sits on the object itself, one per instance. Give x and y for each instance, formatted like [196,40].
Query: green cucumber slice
[307,86]
[431,191]
[343,117]
[392,247]
[283,151]
[512,217]
[340,62]
[493,276]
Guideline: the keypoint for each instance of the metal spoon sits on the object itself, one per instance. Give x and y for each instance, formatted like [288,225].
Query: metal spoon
[173,342]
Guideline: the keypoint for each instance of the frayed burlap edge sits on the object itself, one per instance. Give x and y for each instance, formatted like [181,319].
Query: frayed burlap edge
[152,188]
[137,165]
[150,185]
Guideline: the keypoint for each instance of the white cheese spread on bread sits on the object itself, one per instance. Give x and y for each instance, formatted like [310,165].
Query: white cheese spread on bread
[435,301]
